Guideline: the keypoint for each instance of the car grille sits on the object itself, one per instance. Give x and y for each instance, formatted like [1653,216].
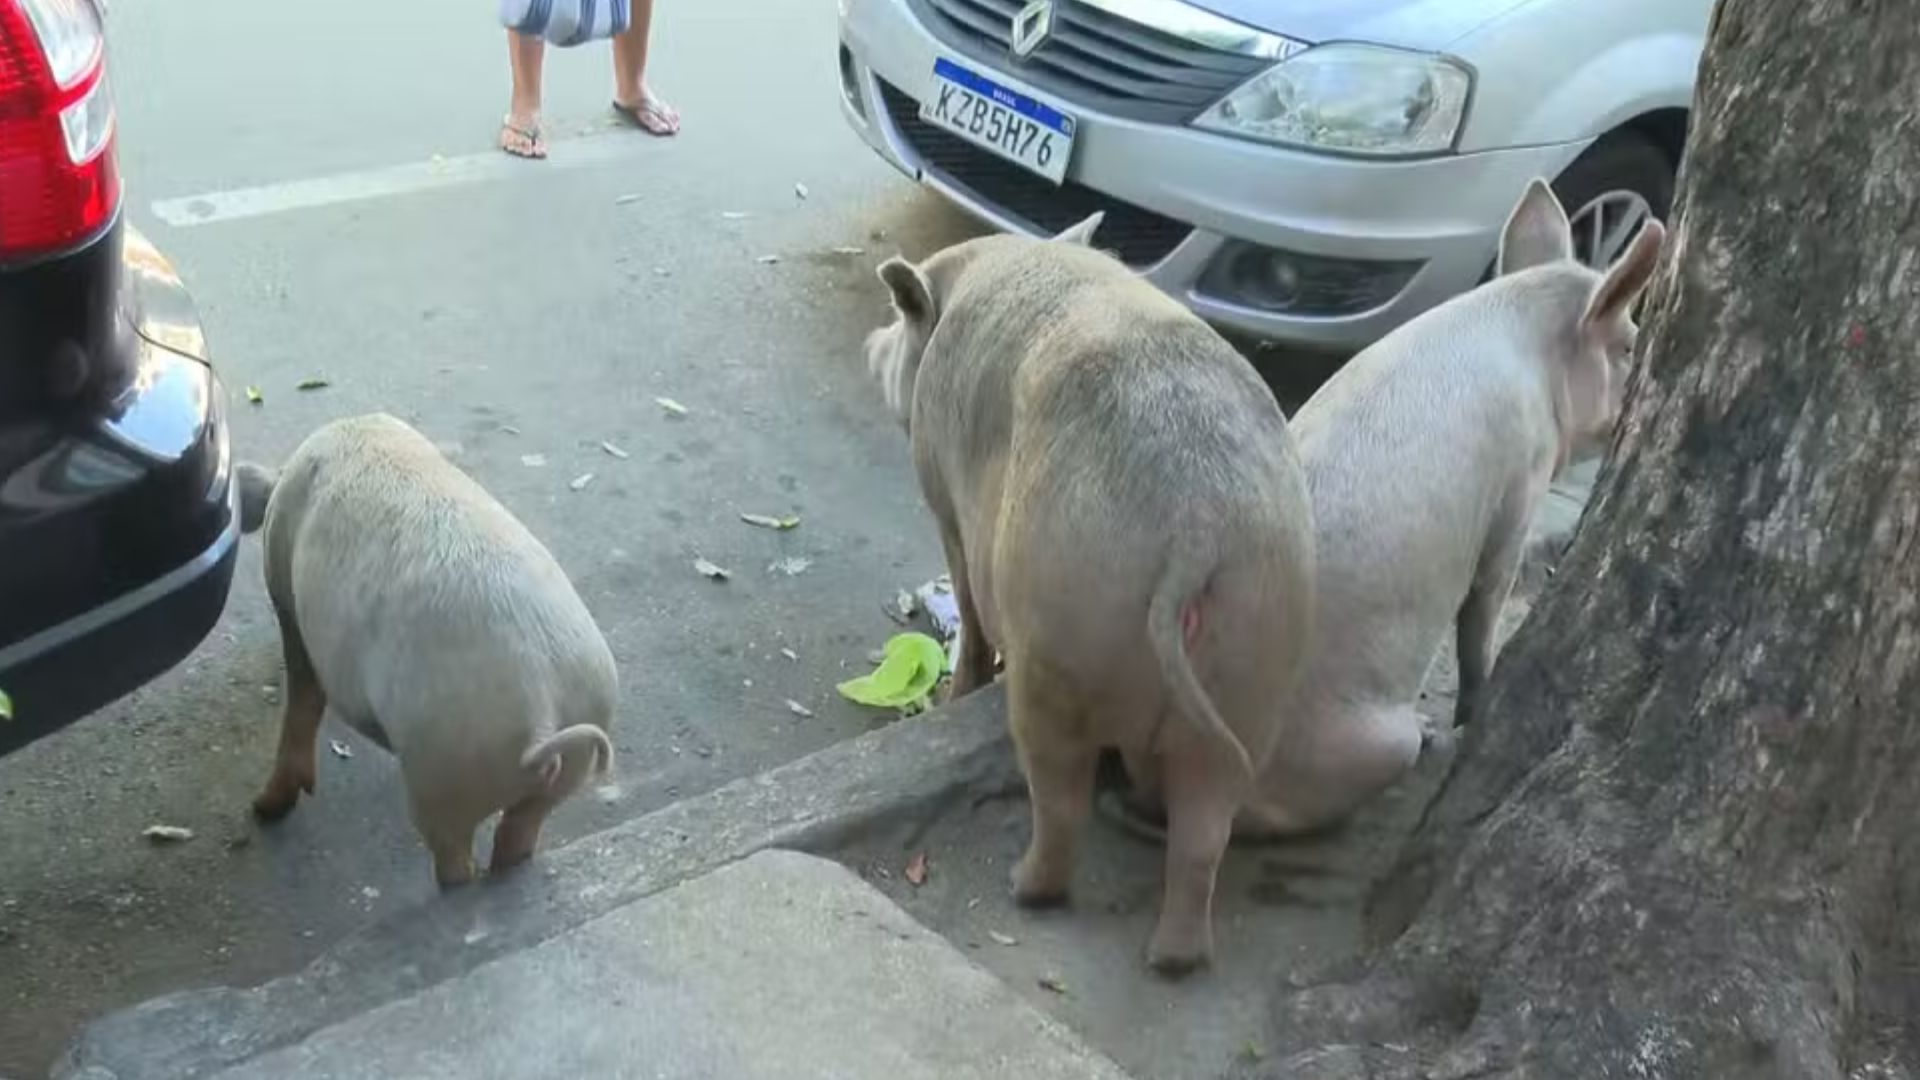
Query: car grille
[1097,59]
[1138,236]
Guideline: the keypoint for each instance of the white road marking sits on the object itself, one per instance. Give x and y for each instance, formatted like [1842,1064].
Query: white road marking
[217,206]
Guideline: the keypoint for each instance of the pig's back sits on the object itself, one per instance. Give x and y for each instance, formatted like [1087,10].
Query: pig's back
[1058,367]
[1180,421]
[413,583]
[1108,368]
[1410,455]
[1136,433]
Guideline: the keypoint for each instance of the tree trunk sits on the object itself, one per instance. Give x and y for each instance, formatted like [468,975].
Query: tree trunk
[1682,840]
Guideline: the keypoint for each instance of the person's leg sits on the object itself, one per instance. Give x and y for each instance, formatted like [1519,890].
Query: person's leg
[520,132]
[631,97]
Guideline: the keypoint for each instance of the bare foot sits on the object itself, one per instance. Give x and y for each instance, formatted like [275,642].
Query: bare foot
[521,137]
[649,114]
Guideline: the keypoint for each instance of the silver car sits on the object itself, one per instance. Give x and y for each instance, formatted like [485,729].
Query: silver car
[1305,171]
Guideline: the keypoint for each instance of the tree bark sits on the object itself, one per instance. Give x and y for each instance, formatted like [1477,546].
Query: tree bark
[1681,840]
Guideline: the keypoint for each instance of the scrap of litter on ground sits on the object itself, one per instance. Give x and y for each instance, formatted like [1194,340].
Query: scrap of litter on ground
[903,608]
[943,610]
[782,523]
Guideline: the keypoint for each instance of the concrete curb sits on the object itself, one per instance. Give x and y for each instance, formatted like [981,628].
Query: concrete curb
[818,803]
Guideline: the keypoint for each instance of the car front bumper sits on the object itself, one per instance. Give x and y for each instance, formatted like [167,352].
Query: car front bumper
[1182,195]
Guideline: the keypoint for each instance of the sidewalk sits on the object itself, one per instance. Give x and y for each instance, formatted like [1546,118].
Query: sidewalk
[775,967]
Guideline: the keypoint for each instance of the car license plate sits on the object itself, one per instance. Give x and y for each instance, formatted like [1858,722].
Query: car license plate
[1024,130]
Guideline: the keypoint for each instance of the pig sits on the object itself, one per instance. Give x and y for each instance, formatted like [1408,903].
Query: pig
[1426,457]
[435,625]
[1126,525]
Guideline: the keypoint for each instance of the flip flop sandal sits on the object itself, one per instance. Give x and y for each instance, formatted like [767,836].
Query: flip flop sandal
[647,117]
[536,149]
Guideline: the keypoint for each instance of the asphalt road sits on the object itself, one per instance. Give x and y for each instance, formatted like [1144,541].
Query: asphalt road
[324,178]
[506,309]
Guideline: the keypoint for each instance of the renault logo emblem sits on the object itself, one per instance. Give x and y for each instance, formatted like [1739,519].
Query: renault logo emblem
[1032,26]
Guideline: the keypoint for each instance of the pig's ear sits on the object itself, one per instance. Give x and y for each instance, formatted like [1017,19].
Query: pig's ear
[912,293]
[1537,231]
[1082,233]
[1628,278]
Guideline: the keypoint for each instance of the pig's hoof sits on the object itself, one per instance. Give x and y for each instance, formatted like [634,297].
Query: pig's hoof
[504,863]
[453,877]
[1036,890]
[272,804]
[1176,960]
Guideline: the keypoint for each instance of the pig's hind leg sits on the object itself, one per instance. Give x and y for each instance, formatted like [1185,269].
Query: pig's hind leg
[1335,761]
[448,805]
[1060,760]
[518,834]
[450,840]
[306,702]
[1203,792]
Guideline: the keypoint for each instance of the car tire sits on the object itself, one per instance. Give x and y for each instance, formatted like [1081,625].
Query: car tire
[1621,165]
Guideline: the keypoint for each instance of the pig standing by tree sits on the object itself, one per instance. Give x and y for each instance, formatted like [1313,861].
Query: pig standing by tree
[1680,838]
[1126,522]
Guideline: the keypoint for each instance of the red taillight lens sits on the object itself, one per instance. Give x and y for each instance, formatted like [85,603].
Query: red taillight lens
[58,181]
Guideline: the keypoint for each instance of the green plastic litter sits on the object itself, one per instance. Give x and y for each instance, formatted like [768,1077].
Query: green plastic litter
[911,668]
[6,706]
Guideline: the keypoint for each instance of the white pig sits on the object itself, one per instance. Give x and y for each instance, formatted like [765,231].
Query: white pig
[1126,524]
[433,623]
[1426,457]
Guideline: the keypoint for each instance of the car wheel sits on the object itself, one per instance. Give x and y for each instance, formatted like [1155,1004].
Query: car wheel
[1611,191]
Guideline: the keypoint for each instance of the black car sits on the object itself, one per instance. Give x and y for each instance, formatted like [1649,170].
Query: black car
[117,527]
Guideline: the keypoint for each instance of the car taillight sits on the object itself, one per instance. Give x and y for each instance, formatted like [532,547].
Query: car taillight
[59,184]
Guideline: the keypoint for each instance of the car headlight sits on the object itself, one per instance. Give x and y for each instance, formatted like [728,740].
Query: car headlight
[1354,99]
